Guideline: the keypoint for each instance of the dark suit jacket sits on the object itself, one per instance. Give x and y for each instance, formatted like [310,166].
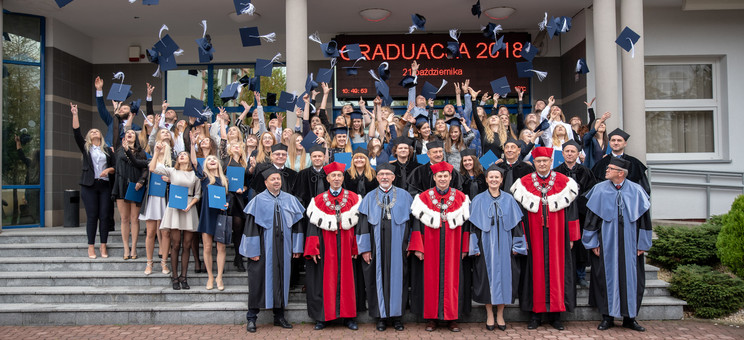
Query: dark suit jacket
[87,175]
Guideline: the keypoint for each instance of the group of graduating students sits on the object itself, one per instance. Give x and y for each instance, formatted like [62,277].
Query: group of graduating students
[399,236]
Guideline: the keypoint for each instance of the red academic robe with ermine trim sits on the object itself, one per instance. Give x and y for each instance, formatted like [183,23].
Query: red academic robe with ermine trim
[437,289]
[331,292]
[549,283]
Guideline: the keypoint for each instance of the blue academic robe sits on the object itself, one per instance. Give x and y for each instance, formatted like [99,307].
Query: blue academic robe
[617,222]
[497,233]
[271,232]
[386,276]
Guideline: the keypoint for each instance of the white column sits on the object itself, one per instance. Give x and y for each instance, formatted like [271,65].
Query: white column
[634,93]
[296,25]
[605,60]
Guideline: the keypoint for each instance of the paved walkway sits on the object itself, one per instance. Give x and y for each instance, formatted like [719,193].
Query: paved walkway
[574,330]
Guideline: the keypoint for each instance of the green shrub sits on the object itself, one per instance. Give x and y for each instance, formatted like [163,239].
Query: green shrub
[709,293]
[731,239]
[685,245]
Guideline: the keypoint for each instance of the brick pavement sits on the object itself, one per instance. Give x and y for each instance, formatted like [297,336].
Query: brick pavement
[574,330]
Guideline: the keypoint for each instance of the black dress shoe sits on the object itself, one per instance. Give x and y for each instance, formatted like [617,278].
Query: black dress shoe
[557,324]
[533,324]
[431,325]
[502,327]
[239,265]
[351,324]
[381,326]
[605,325]
[398,325]
[283,323]
[490,327]
[250,327]
[632,324]
[319,325]
[453,327]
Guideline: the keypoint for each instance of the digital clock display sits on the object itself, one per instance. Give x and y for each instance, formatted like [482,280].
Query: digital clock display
[476,62]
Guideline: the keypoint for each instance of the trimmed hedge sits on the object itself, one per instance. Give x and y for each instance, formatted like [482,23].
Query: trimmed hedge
[709,293]
[731,239]
[686,245]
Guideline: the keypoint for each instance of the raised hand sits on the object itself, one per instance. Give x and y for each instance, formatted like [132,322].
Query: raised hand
[520,92]
[325,87]
[150,88]
[457,88]
[430,102]
[414,68]
[466,85]
[98,83]
[485,97]
[257,96]
[73,109]
[589,104]
[362,103]
[606,116]
[551,100]
[245,105]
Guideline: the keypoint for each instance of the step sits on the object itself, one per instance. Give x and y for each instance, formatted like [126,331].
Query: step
[78,250]
[59,235]
[659,308]
[107,278]
[32,264]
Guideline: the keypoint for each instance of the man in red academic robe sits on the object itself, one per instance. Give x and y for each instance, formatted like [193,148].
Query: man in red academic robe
[439,241]
[330,249]
[551,227]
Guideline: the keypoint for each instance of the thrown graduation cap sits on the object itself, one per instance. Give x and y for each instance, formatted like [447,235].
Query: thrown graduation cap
[418,23]
[244,80]
[543,126]
[330,49]
[134,106]
[581,67]
[249,36]
[271,99]
[166,45]
[563,24]
[62,3]
[351,70]
[353,51]
[383,91]
[193,107]
[552,27]
[310,84]
[230,92]
[244,7]
[430,91]
[408,82]
[498,45]
[152,55]
[206,51]
[529,51]
[490,30]
[627,40]
[255,84]
[501,86]
[264,67]
[119,92]
[193,72]
[453,50]
[287,101]
[150,2]
[383,71]
[167,62]
[476,9]
[324,75]
[526,70]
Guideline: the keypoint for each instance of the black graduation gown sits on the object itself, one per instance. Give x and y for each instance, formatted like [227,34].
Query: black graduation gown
[514,172]
[585,179]
[288,179]
[310,183]
[474,186]
[636,173]
[402,170]
[422,178]
[360,185]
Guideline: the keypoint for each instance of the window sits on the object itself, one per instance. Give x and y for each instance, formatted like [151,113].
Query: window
[23,120]
[682,110]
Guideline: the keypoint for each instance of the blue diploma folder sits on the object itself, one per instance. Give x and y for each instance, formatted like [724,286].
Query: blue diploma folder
[134,195]
[343,158]
[217,198]
[488,159]
[423,158]
[235,178]
[157,185]
[178,197]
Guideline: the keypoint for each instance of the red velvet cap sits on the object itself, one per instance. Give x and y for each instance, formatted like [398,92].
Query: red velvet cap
[542,151]
[441,166]
[335,166]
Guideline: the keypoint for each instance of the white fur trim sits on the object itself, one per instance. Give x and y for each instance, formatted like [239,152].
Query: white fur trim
[328,222]
[432,219]
[531,202]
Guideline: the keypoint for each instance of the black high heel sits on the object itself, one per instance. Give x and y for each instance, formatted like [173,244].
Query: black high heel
[176,283]
[184,283]
[502,327]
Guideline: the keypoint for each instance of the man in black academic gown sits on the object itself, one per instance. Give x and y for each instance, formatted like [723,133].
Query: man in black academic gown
[382,238]
[404,164]
[585,179]
[311,181]
[637,170]
[422,177]
[278,159]
[271,238]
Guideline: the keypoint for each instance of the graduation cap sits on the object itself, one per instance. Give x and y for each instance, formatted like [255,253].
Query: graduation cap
[324,75]
[279,147]
[255,84]
[150,2]
[134,106]
[230,92]
[619,132]
[501,86]
[310,84]
[166,45]
[453,50]
[401,140]
[62,3]
[287,101]
[498,45]
[408,82]
[529,51]
[476,9]
[383,91]
[435,144]
[468,152]
[619,162]
[206,52]
[573,143]
[526,70]
[421,119]
[314,148]
[250,36]
[264,67]
[270,171]
[430,91]
[356,115]
[193,72]
[193,107]
[552,27]
[563,24]
[512,141]
[454,122]
[119,92]
[340,130]
[351,70]
[418,23]
[244,7]
[152,55]
[581,67]
[167,62]
[490,30]
[383,71]
[244,80]
[543,126]
[330,49]
[627,39]
[353,51]
[271,99]
[360,150]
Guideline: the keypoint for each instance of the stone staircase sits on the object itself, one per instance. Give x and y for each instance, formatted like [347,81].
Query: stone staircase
[47,279]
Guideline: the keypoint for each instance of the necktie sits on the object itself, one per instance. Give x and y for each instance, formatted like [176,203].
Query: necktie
[618,186]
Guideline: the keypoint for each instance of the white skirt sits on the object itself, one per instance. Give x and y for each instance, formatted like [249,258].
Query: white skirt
[154,209]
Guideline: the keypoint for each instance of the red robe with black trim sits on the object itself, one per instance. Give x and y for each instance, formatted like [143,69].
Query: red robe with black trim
[549,276]
[437,289]
[331,292]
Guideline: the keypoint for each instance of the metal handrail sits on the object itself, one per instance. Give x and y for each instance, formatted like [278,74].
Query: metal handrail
[707,185]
